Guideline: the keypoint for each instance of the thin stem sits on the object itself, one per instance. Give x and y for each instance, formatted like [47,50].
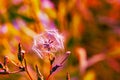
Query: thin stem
[3,72]
[68,76]
[48,77]
[38,73]
[50,70]
[16,72]
[6,72]
[14,63]
[27,70]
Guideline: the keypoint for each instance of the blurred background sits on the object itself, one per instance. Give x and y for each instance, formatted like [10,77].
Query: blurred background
[91,29]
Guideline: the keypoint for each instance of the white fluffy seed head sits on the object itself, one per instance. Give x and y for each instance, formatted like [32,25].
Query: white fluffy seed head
[48,42]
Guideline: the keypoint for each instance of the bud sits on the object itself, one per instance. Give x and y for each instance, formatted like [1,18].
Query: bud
[20,53]
[54,68]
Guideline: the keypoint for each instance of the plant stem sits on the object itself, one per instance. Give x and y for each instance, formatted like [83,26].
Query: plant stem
[68,76]
[48,77]
[27,70]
